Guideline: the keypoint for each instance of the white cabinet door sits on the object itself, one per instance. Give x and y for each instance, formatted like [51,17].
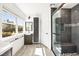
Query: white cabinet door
[17,44]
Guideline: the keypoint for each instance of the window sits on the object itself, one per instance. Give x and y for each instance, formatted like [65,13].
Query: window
[20,23]
[7,17]
[11,24]
[8,23]
[8,30]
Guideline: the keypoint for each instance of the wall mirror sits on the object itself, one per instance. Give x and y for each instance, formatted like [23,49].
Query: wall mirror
[29,26]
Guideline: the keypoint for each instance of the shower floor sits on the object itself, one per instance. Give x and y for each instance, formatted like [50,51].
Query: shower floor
[70,54]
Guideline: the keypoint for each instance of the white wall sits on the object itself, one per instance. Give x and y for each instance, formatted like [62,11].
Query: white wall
[46,26]
[43,11]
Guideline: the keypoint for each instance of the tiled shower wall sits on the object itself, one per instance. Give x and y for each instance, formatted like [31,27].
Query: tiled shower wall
[75,28]
[66,19]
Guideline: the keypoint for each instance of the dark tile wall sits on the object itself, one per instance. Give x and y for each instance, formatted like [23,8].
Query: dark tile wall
[75,29]
[66,19]
[66,16]
[65,31]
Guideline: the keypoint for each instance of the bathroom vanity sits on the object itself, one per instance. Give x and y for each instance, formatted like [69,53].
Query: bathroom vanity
[28,39]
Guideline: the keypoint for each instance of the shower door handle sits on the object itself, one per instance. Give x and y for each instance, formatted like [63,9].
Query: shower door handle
[56,33]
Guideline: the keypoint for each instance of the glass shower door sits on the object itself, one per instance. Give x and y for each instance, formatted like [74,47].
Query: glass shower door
[56,33]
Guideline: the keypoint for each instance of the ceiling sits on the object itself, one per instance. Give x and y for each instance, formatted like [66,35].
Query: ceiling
[11,7]
[32,8]
[66,5]
[69,5]
[36,8]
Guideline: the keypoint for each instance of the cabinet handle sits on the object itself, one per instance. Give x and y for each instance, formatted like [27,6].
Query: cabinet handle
[16,38]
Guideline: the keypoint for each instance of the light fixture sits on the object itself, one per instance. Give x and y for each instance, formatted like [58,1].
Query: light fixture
[29,17]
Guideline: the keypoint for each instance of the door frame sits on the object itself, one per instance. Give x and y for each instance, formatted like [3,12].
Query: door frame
[52,13]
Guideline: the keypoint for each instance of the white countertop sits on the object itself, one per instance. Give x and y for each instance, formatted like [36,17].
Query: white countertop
[28,33]
[4,46]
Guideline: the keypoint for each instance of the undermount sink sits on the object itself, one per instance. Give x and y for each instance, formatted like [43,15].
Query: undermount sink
[28,33]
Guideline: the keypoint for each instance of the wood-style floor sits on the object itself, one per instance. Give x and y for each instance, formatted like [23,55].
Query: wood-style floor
[28,50]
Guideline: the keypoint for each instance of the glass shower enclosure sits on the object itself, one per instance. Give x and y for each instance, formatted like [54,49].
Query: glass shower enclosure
[57,28]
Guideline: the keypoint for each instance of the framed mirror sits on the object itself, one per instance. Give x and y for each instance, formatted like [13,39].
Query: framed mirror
[29,26]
